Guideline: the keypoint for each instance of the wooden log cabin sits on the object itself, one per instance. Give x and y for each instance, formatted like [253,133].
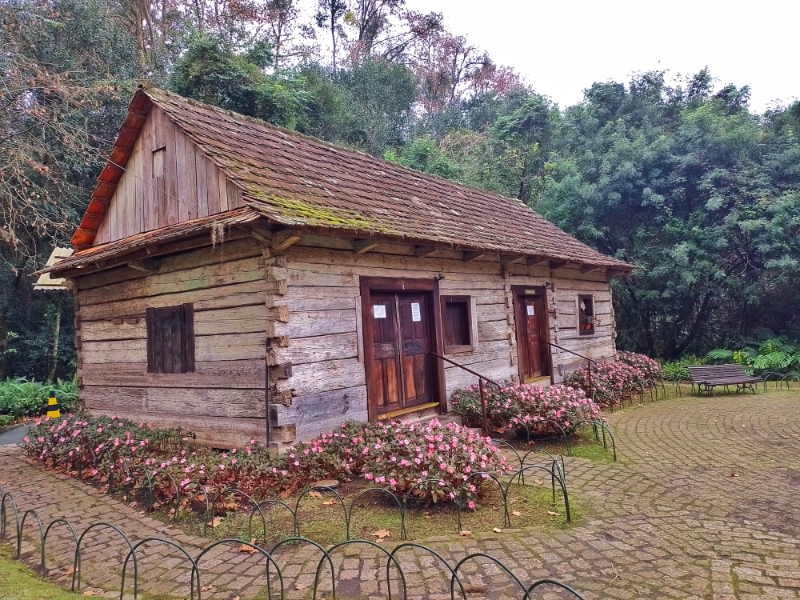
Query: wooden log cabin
[244,281]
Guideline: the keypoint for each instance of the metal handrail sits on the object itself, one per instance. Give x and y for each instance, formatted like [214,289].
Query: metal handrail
[586,358]
[481,378]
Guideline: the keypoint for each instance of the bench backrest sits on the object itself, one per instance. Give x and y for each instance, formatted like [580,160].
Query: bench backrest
[712,371]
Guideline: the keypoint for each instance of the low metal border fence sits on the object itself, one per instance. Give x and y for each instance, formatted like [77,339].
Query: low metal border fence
[8,501]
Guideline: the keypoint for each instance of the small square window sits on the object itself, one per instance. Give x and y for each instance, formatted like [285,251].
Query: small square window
[586,318]
[457,322]
[170,339]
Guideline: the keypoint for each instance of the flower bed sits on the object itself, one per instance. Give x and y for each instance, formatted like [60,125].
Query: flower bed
[398,456]
[611,382]
[535,408]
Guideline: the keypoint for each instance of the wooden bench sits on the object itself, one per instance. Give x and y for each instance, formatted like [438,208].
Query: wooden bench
[708,377]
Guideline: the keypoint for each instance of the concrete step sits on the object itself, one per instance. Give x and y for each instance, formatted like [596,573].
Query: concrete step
[427,415]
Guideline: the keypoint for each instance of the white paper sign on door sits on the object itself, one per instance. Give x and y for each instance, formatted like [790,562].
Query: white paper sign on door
[530,310]
[415,314]
[379,310]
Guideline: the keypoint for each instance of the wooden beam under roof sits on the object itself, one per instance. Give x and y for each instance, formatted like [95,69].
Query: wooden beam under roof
[557,264]
[284,238]
[470,255]
[590,268]
[424,251]
[507,259]
[538,261]
[362,246]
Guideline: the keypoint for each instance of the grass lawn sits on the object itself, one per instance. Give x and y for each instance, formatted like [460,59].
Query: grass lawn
[19,582]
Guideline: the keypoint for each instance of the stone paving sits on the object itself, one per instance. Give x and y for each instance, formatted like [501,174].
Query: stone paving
[704,504]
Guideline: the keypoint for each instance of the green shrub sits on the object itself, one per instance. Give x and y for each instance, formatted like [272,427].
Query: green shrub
[774,355]
[676,370]
[22,398]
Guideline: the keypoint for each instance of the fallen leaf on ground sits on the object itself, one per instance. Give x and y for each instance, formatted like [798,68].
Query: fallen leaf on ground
[538,481]
[552,514]
[301,586]
[516,513]
[133,504]
[500,430]
[329,502]
[68,572]
[235,598]
[382,533]
[246,548]
[215,521]
[90,593]
[475,589]
[497,530]
[206,588]
[315,494]
[171,513]
[465,533]
[734,474]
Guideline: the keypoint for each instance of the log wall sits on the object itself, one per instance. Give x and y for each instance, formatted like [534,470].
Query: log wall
[223,401]
[190,186]
[323,326]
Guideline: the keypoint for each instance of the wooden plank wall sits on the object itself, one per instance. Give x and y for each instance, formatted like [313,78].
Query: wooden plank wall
[328,386]
[191,187]
[224,400]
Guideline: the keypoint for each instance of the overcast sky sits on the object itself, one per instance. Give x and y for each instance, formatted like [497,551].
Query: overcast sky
[562,47]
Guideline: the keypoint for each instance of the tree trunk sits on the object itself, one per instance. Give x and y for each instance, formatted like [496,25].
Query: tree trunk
[51,372]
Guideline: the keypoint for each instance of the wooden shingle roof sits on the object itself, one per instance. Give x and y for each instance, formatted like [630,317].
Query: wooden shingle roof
[299,181]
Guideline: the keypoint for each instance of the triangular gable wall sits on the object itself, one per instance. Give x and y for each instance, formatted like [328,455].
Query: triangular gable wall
[189,187]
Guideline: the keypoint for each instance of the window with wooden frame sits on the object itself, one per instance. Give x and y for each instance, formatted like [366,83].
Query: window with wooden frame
[586,318]
[457,324]
[170,339]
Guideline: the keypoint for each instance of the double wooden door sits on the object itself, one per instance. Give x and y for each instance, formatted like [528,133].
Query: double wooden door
[401,372]
[531,334]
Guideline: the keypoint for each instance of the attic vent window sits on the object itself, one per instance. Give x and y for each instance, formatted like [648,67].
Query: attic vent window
[158,162]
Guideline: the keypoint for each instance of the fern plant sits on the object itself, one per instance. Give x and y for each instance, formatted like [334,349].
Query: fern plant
[774,355]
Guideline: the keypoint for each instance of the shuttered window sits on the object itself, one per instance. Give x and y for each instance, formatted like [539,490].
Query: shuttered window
[170,339]
[457,324]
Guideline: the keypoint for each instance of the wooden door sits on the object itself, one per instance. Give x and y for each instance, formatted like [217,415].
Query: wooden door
[400,376]
[386,391]
[415,361]
[530,333]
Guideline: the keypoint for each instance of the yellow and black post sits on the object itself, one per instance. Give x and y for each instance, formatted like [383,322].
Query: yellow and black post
[52,408]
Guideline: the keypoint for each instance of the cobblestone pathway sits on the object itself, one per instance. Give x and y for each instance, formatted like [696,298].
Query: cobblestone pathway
[705,504]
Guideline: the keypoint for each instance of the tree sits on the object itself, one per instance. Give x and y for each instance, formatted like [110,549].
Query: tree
[329,13]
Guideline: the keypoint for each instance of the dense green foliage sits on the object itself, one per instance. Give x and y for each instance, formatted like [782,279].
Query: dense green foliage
[677,177]
[771,356]
[22,398]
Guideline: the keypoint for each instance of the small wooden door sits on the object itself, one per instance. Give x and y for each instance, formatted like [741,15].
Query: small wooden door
[401,370]
[530,334]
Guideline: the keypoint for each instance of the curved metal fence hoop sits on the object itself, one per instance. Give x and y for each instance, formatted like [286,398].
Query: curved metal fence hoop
[162,541]
[374,545]
[313,489]
[440,482]
[605,428]
[555,583]
[132,486]
[779,380]
[563,432]
[382,491]
[175,484]
[494,560]
[272,501]
[249,497]
[562,467]
[256,548]
[510,447]
[4,515]
[561,483]
[441,559]
[22,524]
[503,492]
[47,531]
[76,567]
[316,545]
[205,496]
